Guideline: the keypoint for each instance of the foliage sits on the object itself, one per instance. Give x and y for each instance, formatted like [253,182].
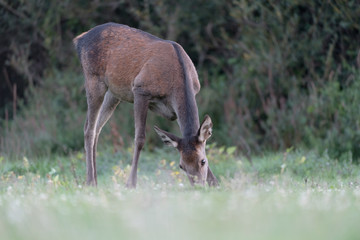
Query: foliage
[53,121]
[341,104]
[273,74]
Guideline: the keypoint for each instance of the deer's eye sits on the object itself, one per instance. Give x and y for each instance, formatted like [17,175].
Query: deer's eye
[203,162]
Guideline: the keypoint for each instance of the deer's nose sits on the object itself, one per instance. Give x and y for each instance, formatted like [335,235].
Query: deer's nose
[197,181]
[200,183]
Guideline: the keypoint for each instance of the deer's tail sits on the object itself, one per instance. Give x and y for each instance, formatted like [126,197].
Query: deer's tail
[77,43]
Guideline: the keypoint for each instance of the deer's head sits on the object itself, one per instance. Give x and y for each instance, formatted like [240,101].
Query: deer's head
[192,153]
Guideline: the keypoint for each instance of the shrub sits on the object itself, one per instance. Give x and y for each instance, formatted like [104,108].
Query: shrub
[273,74]
[51,121]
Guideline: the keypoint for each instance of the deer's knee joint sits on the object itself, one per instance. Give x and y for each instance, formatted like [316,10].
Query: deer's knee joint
[140,142]
[88,135]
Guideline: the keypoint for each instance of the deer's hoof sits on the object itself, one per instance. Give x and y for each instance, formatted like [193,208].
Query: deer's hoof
[130,185]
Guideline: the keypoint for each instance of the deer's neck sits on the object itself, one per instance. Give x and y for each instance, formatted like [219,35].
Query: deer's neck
[187,113]
[185,106]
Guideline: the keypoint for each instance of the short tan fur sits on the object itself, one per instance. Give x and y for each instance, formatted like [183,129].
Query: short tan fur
[126,64]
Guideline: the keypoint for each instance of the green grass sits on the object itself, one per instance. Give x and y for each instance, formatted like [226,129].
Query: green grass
[291,195]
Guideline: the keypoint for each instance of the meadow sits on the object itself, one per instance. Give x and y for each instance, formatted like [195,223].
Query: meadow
[295,194]
[273,73]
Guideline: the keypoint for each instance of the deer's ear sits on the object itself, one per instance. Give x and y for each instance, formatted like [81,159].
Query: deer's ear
[168,138]
[205,130]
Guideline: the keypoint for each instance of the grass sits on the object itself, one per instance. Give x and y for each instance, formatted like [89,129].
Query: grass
[291,195]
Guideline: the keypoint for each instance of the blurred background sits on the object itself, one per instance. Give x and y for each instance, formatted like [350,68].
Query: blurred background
[274,74]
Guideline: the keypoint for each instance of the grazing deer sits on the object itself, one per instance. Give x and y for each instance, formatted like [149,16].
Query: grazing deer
[121,63]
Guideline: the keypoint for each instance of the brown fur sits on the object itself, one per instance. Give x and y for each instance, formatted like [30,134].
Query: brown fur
[126,64]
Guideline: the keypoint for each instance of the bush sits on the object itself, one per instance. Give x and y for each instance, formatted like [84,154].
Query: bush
[286,76]
[339,118]
[273,74]
[51,121]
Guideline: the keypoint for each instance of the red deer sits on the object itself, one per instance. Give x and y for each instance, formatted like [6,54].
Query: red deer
[121,63]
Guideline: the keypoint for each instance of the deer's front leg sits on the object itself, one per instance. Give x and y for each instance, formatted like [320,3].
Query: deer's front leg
[141,104]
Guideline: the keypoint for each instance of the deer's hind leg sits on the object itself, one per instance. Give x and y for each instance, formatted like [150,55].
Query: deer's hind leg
[95,92]
[107,108]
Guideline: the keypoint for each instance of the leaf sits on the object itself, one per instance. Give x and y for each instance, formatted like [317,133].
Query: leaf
[26,163]
[163,162]
[56,179]
[302,160]
[230,150]
[52,171]
[79,155]
[221,149]
[288,150]
[283,166]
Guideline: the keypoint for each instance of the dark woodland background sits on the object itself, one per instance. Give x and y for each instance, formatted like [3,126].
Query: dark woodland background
[274,74]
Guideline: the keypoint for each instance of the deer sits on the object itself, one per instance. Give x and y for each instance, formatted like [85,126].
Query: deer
[124,64]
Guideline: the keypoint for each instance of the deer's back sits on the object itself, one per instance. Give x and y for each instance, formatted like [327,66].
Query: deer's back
[117,54]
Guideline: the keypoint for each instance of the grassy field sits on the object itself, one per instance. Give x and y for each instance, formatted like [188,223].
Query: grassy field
[291,195]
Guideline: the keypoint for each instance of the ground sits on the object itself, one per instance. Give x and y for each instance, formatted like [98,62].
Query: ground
[295,194]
